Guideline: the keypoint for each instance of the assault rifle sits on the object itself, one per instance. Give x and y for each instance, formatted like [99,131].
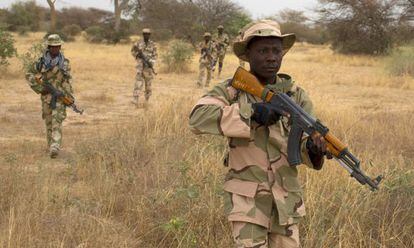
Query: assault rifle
[146,61]
[205,54]
[58,95]
[303,122]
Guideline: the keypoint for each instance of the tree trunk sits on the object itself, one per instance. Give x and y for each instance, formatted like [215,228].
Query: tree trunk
[117,12]
[52,15]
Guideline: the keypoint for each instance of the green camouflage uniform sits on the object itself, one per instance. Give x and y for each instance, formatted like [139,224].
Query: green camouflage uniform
[144,75]
[60,78]
[263,198]
[208,51]
[222,42]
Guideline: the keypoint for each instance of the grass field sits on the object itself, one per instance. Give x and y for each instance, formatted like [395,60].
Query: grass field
[132,177]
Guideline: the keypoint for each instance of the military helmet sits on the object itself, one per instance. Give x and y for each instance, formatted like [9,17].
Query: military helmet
[261,28]
[54,40]
[146,31]
[207,34]
[220,27]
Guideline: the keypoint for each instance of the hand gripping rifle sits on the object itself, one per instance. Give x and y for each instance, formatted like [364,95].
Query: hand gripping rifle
[146,61]
[303,122]
[58,95]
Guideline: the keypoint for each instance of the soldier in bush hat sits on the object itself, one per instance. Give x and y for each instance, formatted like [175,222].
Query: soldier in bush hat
[54,68]
[145,53]
[263,197]
[222,41]
[206,61]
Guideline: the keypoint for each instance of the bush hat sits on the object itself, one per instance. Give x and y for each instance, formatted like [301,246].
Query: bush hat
[146,31]
[261,28]
[54,40]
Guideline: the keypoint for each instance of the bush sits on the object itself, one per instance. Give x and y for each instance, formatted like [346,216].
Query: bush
[401,61]
[7,49]
[177,57]
[31,56]
[95,34]
[72,30]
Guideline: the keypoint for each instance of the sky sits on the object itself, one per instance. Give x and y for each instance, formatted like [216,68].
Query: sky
[257,8]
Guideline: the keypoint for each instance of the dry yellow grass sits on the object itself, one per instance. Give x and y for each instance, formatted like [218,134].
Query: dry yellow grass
[138,178]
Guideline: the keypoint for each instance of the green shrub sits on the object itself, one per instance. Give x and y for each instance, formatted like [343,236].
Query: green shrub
[31,56]
[401,61]
[95,34]
[7,49]
[177,57]
[72,30]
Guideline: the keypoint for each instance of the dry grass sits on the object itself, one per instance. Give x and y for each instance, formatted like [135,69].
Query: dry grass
[138,178]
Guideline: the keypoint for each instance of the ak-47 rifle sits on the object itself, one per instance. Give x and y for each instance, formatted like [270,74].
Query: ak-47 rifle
[58,95]
[303,122]
[146,61]
[206,54]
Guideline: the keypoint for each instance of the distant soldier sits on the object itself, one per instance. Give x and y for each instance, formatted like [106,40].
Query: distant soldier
[222,42]
[145,53]
[208,50]
[54,69]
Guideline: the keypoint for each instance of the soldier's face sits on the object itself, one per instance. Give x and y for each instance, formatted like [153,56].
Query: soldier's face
[207,38]
[220,30]
[54,51]
[265,56]
[146,36]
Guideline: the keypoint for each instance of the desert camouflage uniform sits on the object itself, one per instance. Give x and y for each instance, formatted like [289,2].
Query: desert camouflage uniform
[263,197]
[222,42]
[61,79]
[207,51]
[144,74]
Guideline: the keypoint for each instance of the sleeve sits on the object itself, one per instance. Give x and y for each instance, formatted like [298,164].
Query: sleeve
[313,161]
[215,114]
[154,54]
[33,78]
[67,82]
[134,50]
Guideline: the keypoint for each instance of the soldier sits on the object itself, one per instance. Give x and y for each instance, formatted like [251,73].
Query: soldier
[208,50]
[145,53]
[222,42]
[263,197]
[54,68]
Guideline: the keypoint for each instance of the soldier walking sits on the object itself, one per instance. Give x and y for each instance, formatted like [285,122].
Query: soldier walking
[53,68]
[263,196]
[145,53]
[222,42]
[207,50]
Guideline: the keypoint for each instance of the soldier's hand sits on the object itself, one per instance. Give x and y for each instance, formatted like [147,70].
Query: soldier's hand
[266,114]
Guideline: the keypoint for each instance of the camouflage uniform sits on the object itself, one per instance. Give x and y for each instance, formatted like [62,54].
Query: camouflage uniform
[59,76]
[208,51]
[144,75]
[222,42]
[263,197]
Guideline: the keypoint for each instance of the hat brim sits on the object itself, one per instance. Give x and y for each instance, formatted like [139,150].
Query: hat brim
[54,43]
[239,47]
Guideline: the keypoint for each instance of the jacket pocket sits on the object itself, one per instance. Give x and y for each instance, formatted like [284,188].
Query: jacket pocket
[239,187]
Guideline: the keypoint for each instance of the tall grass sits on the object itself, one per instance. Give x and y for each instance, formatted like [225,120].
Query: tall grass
[401,61]
[141,179]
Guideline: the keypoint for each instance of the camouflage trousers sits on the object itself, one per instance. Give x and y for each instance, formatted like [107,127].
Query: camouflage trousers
[204,68]
[143,77]
[255,222]
[53,120]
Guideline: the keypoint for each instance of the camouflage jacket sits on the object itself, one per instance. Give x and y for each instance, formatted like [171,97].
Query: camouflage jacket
[207,51]
[222,42]
[257,154]
[59,76]
[148,49]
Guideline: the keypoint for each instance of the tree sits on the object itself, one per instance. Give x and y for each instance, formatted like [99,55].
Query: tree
[119,7]
[363,26]
[25,15]
[52,15]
